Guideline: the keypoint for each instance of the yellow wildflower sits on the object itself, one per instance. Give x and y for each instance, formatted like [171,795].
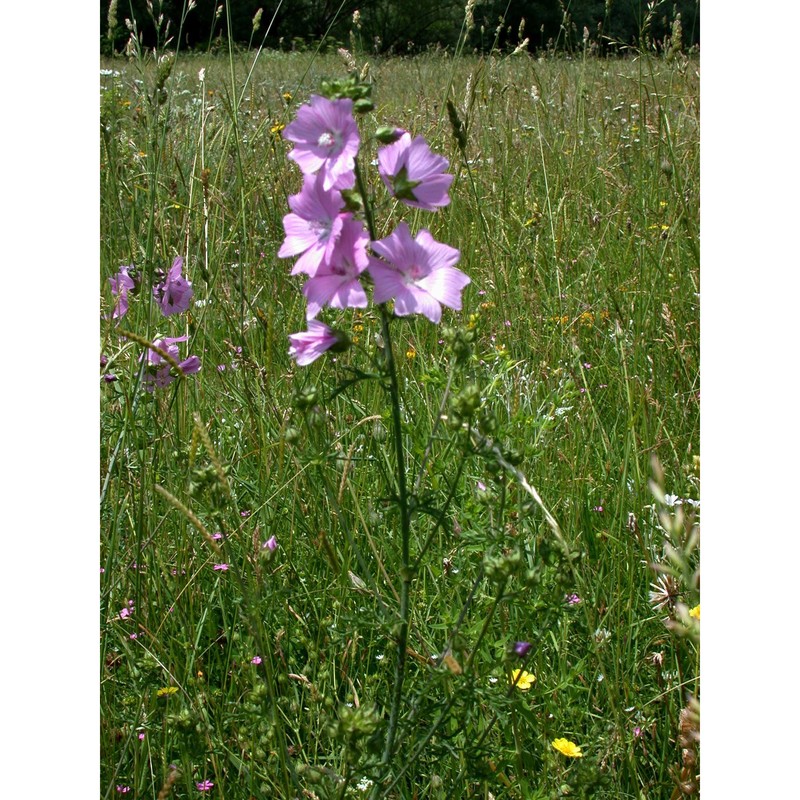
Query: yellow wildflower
[411,352]
[568,748]
[522,680]
[166,691]
[695,612]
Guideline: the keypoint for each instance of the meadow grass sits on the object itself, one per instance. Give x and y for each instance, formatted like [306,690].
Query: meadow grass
[576,210]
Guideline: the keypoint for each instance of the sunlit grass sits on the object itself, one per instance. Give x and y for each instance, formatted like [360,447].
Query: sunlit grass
[575,208]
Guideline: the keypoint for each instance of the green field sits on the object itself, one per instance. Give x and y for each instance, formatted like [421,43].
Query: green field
[549,434]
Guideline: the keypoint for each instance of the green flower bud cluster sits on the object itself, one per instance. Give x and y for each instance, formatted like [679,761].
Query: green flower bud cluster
[464,405]
[500,567]
[355,725]
[305,398]
[460,342]
[352,87]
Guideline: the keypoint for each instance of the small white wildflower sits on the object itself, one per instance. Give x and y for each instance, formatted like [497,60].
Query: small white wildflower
[380,657]
[601,636]
[201,76]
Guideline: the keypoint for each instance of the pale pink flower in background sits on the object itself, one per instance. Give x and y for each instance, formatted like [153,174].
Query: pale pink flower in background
[310,345]
[314,226]
[271,544]
[418,274]
[175,293]
[121,284]
[326,140]
[413,174]
[335,283]
[160,370]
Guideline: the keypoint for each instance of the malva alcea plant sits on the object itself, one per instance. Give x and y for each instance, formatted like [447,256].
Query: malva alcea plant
[416,273]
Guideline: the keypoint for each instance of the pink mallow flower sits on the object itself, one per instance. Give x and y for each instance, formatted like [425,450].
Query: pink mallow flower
[326,140]
[310,345]
[419,276]
[175,293]
[121,284]
[314,226]
[415,175]
[336,283]
[159,371]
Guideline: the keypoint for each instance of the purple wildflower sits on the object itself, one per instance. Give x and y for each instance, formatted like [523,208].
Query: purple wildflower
[221,567]
[522,648]
[326,140]
[255,660]
[415,175]
[123,789]
[205,786]
[314,226]
[271,544]
[121,284]
[159,373]
[419,275]
[175,293]
[310,345]
[572,599]
[335,283]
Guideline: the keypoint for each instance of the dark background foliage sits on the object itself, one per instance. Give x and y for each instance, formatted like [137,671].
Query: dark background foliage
[407,26]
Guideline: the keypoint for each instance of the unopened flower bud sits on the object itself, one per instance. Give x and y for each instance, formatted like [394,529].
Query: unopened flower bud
[388,134]
[306,397]
[363,106]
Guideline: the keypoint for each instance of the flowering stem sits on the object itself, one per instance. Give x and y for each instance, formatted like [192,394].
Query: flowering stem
[405,530]
[406,571]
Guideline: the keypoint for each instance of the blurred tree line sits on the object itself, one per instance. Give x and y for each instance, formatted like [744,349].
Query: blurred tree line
[408,26]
